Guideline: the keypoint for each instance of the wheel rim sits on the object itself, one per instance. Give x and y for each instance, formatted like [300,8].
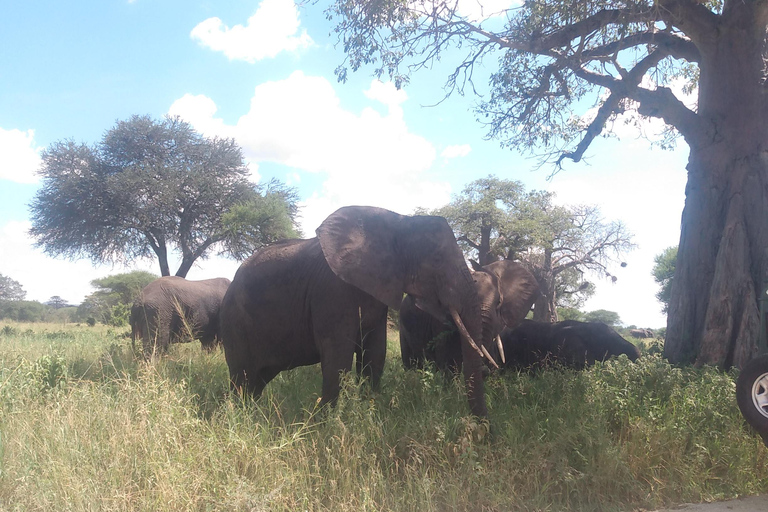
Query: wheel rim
[760,394]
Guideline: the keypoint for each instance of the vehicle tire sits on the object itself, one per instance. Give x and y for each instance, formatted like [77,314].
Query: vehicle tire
[752,394]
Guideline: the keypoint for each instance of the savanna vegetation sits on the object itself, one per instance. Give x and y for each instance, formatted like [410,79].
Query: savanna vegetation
[86,424]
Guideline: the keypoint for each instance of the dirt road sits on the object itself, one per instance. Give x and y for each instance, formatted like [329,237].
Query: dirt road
[750,504]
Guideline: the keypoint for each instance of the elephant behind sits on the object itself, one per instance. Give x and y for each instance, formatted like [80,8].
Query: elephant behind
[570,343]
[506,291]
[325,299]
[172,309]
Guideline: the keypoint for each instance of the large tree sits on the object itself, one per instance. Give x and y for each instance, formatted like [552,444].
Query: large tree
[495,218]
[558,56]
[151,186]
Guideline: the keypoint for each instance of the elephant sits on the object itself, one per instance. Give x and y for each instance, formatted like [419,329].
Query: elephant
[506,290]
[172,309]
[641,333]
[324,299]
[570,343]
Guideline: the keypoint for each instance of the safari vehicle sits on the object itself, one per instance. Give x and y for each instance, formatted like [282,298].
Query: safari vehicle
[752,384]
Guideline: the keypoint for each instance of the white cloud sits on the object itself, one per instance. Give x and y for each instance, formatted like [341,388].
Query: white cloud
[19,157]
[273,28]
[386,93]
[366,158]
[456,151]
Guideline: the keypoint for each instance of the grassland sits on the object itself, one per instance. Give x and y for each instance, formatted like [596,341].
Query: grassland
[86,425]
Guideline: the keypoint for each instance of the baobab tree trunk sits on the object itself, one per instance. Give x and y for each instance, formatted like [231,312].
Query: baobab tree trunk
[545,309]
[721,263]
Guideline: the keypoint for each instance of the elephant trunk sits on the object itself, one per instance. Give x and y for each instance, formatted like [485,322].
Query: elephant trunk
[470,320]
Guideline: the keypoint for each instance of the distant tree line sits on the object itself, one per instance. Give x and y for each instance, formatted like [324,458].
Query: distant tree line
[110,304]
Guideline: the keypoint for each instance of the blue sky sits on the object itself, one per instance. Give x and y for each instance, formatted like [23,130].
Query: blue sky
[262,72]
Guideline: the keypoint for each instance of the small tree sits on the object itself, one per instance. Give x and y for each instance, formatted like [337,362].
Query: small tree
[609,318]
[56,302]
[10,289]
[111,302]
[150,186]
[663,272]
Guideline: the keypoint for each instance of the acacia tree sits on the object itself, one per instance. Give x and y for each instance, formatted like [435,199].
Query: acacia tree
[494,218]
[555,56]
[152,186]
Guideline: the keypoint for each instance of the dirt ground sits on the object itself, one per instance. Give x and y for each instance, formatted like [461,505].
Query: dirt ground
[750,504]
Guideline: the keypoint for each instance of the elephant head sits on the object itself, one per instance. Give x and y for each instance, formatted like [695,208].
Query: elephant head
[505,291]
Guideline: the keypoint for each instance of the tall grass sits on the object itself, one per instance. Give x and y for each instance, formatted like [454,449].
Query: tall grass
[86,424]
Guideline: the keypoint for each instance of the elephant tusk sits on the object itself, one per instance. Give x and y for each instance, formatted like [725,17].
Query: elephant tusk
[501,349]
[463,331]
[490,359]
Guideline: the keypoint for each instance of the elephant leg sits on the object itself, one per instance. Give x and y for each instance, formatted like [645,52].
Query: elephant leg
[373,353]
[336,357]
[252,382]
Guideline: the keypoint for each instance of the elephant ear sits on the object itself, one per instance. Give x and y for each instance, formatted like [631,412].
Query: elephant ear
[518,289]
[359,244]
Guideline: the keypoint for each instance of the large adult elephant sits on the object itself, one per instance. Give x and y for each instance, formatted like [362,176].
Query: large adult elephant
[506,291]
[172,309]
[570,343]
[325,299]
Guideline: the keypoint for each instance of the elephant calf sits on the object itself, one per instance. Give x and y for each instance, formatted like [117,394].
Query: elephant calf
[570,343]
[172,309]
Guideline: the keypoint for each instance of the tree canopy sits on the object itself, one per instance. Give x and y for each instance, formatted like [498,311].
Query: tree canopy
[10,289]
[560,73]
[495,219]
[151,186]
[663,272]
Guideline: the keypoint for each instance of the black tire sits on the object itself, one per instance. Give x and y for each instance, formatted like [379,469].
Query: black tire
[752,394]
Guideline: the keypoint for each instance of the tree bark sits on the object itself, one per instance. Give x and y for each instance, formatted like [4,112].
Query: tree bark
[721,264]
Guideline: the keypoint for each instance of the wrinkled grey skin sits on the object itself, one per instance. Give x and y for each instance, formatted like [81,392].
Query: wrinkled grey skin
[300,302]
[172,309]
[641,333]
[569,343]
[506,291]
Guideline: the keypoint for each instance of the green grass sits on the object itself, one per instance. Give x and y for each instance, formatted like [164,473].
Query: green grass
[85,424]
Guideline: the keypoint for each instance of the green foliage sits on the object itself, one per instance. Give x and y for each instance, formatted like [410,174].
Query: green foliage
[609,318]
[150,186]
[663,272]
[570,314]
[84,420]
[23,310]
[10,289]
[111,303]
